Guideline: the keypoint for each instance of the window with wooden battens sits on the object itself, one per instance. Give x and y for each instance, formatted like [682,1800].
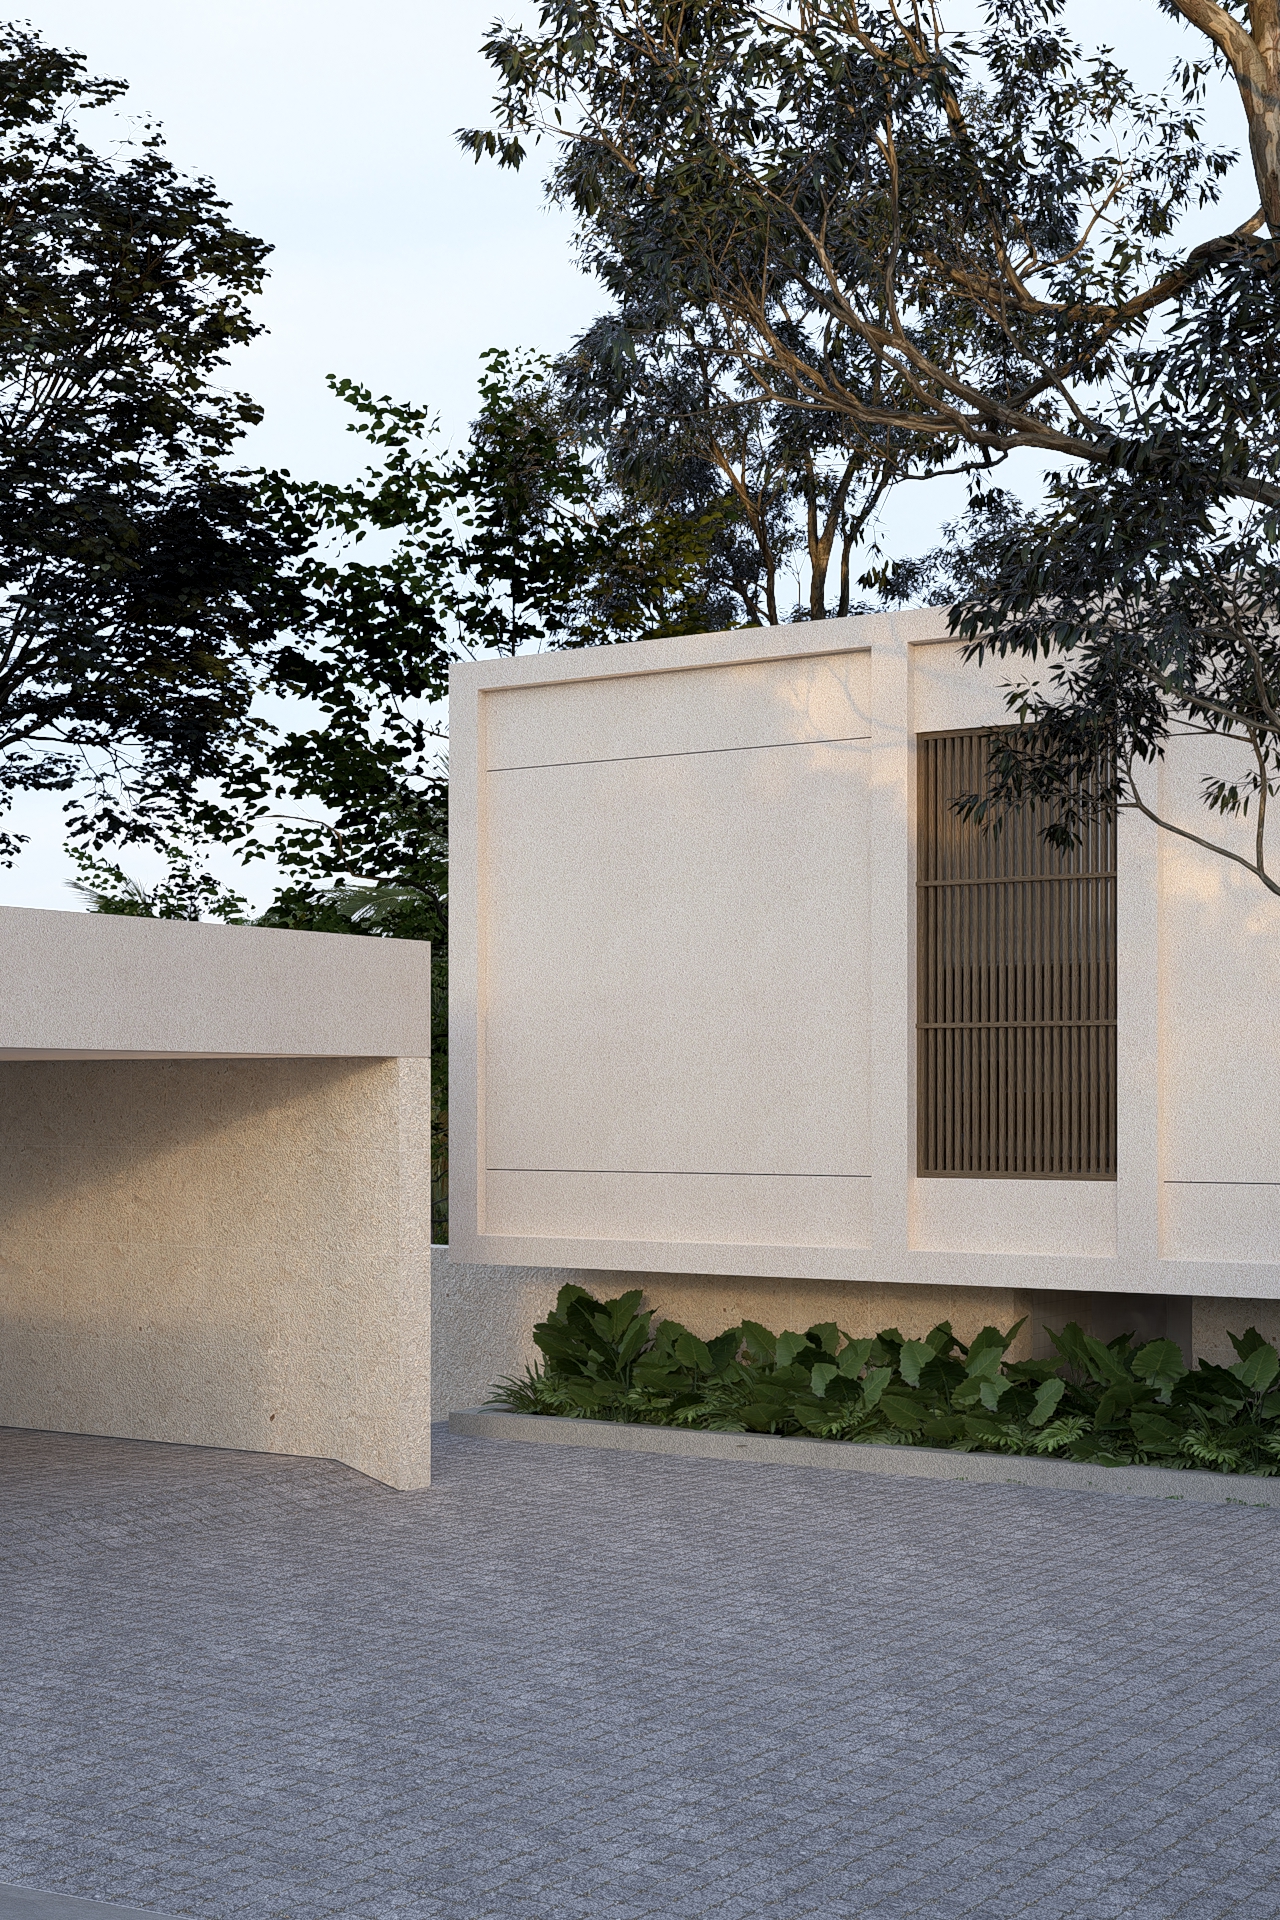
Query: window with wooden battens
[1016,1008]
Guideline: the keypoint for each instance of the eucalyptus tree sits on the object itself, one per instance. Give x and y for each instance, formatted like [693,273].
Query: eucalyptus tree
[951,237]
[972,243]
[678,426]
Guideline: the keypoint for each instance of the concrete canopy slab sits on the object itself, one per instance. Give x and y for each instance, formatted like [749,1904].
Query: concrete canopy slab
[83,986]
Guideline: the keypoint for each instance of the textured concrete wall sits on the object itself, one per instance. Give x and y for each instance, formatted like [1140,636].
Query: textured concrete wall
[483,1316]
[231,1254]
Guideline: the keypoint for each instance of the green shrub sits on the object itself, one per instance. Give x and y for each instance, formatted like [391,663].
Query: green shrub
[605,1360]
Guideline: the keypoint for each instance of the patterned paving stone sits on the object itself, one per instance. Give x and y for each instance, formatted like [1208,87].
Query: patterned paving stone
[604,1686]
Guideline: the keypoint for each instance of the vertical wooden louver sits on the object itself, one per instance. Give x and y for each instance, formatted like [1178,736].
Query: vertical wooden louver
[1016,1012]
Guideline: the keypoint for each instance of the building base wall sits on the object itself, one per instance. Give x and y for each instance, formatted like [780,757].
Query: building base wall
[483,1316]
[229,1254]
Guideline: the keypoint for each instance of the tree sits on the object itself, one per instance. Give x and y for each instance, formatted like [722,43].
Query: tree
[141,579]
[1250,50]
[1021,205]
[1144,600]
[1148,612]
[663,398]
[514,542]
[517,541]
[954,238]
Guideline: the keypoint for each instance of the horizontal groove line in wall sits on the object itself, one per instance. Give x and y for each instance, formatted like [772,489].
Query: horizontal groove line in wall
[684,1173]
[679,753]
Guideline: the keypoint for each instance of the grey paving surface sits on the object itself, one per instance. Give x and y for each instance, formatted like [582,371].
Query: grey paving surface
[21,1903]
[570,1685]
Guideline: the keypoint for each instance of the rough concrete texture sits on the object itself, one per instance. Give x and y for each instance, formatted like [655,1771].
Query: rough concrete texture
[899,1463]
[564,1685]
[483,1316]
[231,1253]
[682,964]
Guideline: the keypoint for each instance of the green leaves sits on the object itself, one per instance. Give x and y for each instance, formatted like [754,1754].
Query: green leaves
[984,1379]
[853,1358]
[1159,1363]
[874,1385]
[145,580]
[1257,1369]
[1048,1395]
[1106,1403]
[789,1345]
[601,1340]
[916,1354]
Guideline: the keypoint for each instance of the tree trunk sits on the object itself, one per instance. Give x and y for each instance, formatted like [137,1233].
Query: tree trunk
[819,550]
[822,539]
[770,585]
[1253,54]
[1264,147]
[846,548]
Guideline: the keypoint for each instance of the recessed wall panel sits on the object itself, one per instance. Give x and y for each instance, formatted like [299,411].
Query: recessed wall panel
[1042,1217]
[1220,1038]
[751,1209]
[676,1005]
[759,703]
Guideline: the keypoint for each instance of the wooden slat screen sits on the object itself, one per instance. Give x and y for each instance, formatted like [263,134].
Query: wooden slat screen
[1016,1011]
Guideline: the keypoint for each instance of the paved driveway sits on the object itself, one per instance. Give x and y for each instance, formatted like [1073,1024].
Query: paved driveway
[572,1686]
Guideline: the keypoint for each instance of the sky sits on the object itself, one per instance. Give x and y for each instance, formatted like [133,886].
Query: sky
[397,260]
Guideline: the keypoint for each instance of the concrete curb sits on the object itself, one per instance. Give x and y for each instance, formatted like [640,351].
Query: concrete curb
[900,1463]
[29,1903]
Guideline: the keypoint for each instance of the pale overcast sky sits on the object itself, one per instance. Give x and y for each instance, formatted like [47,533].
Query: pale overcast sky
[330,130]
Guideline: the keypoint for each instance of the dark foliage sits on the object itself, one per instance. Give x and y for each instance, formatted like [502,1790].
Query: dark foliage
[606,1360]
[958,241]
[141,580]
[1140,606]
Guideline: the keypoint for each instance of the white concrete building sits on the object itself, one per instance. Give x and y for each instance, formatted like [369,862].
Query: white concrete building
[706,1028]
[215,1187]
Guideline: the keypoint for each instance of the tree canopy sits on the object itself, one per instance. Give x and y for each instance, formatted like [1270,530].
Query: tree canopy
[955,247]
[142,579]
[952,237]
